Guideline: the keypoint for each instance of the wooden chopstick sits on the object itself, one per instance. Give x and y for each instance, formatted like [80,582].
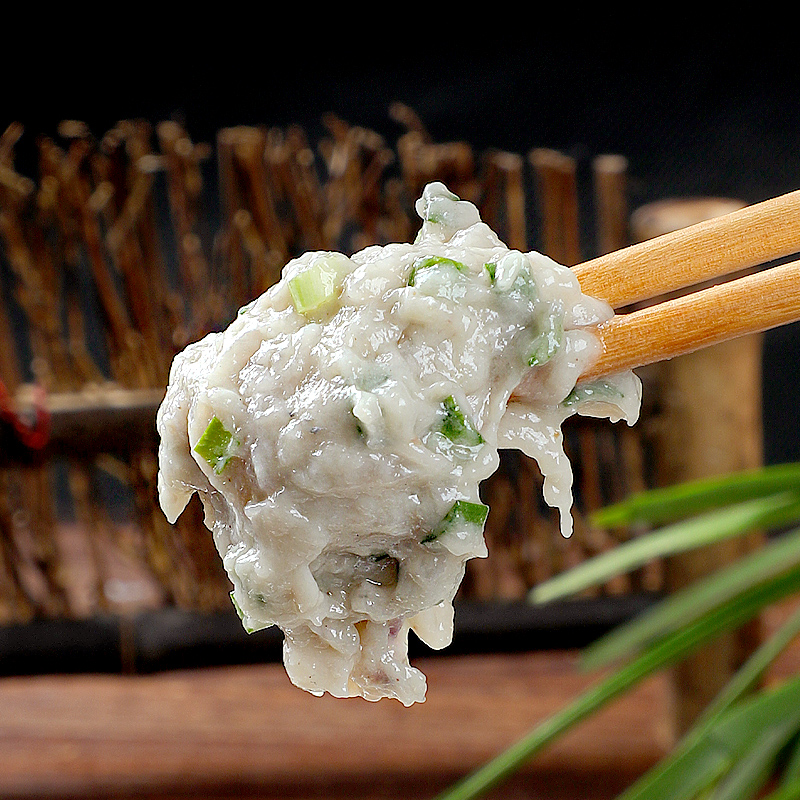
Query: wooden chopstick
[717,247]
[748,305]
[753,235]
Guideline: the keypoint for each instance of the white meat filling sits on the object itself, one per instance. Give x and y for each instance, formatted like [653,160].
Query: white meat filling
[338,431]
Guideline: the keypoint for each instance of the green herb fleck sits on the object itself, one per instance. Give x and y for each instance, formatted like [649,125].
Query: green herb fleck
[370,379]
[237,606]
[454,435]
[524,286]
[456,426]
[595,390]
[462,513]
[318,285]
[426,262]
[248,628]
[239,611]
[216,445]
[548,339]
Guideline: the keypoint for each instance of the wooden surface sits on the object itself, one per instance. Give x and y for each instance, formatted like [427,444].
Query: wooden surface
[246,732]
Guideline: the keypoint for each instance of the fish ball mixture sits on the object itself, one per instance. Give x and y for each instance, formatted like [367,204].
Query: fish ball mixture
[338,431]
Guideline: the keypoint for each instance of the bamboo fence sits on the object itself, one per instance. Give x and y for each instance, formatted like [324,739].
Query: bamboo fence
[126,246]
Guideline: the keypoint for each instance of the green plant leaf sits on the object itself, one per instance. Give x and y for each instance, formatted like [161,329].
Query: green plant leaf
[756,763]
[733,756]
[786,791]
[669,650]
[740,684]
[657,506]
[708,528]
[780,556]
[748,675]
[791,771]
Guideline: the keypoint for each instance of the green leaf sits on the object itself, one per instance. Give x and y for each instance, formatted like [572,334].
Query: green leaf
[691,772]
[786,791]
[791,772]
[756,763]
[549,337]
[733,755]
[669,650]
[657,506]
[592,390]
[777,558]
[454,434]
[746,677]
[706,529]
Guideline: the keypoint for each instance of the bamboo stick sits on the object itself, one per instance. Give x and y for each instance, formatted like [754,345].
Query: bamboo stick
[249,149]
[610,189]
[685,257]
[504,198]
[182,159]
[748,305]
[556,181]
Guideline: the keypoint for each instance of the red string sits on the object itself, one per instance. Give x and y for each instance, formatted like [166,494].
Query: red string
[33,436]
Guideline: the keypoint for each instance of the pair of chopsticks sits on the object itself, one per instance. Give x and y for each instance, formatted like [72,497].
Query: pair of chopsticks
[712,249]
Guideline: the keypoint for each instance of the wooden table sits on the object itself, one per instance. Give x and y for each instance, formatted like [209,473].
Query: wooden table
[246,732]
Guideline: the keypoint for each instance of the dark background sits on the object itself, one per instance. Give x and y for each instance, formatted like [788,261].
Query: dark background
[715,113]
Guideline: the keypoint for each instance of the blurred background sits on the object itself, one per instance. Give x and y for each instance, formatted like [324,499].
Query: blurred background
[696,114]
[142,206]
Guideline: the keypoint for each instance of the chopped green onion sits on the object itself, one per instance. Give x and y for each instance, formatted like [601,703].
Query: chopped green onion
[317,285]
[455,435]
[547,341]
[216,445]
[239,611]
[434,261]
[437,207]
[368,416]
[596,390]
[524,286]
[511,276]
[457,427]
[370,379]
[463,512]
[241,614]
[237,606]
[473,513]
